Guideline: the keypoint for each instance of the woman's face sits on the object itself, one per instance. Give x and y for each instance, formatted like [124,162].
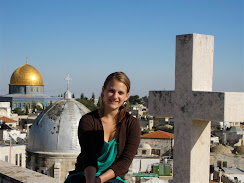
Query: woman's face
[114,94]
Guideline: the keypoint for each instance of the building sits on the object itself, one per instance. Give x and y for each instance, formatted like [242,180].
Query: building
[5,109]
[10,122]
[156,143]
[53,140]
[138,111]
[26,88]
[14,154]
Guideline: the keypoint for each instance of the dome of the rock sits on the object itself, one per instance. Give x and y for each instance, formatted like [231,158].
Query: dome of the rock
[26,75]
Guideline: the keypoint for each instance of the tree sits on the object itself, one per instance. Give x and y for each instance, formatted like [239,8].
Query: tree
[93,98]
[82,96]
[134,99]
[33,106]
[89,103]
[26,109]
[73,95]
[18,111]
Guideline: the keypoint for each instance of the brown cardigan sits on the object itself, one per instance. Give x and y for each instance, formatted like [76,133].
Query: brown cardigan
[91,138]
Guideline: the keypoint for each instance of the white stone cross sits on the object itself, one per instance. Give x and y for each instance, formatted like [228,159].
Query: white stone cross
[67,79]
[193,106]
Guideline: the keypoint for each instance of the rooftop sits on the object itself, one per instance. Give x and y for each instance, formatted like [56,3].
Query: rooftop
[158,135]
[6,120]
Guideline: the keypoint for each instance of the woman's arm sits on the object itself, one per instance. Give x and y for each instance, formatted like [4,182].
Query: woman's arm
[132,142]
[90,173]
[109,174]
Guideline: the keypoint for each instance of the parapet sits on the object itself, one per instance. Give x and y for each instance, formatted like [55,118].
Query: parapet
[14,174]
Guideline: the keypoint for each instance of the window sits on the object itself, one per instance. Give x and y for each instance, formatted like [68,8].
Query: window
[16,159]
[155,152]
[20,159]
[144,151]
[6,158]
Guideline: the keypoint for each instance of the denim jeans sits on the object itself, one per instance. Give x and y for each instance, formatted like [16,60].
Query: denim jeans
[78,178]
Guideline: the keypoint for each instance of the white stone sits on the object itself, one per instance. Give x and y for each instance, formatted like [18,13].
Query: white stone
[5,109]
[193,105]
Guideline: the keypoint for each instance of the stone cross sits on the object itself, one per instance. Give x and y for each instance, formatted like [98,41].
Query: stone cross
[67,79]
[193,106]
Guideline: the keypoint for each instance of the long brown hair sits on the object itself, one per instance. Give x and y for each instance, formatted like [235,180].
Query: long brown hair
[119,76]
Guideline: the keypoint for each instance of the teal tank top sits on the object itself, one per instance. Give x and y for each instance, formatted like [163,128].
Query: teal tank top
[107,157]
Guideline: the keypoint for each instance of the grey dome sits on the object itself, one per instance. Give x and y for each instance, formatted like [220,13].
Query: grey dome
[55,129]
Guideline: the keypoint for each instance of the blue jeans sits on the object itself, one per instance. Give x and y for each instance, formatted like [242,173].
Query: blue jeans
[78,178]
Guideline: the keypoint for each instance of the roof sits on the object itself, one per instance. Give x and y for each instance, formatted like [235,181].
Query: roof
[55,129]
[6,120]
[158,135]
[221,149]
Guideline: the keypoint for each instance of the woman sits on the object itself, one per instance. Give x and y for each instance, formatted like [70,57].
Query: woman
[109,137]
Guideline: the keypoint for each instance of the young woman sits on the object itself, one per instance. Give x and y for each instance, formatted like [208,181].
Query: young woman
[109,137]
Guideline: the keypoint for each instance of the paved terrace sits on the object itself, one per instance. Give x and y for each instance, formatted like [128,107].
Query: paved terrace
[14,174]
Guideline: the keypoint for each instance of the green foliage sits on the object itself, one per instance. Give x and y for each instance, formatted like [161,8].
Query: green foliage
[18,111]
[82,96]
[73,95]
[26,109]
[165,128]
[89,103]
[145,131]
[33,106]
[134,99]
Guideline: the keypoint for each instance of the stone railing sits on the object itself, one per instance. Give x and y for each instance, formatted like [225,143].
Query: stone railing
[14,174]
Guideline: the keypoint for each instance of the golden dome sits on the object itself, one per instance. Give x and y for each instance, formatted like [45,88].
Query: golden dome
[26,75]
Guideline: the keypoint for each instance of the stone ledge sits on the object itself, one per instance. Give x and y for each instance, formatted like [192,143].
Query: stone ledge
[14,174]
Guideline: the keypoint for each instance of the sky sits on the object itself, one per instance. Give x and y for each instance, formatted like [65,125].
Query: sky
[91,39]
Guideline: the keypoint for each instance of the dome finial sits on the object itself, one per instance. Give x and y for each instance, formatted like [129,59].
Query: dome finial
[26,60]
[67,79]
[67,94]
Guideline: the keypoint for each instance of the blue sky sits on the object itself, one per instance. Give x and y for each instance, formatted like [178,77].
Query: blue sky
[91,39]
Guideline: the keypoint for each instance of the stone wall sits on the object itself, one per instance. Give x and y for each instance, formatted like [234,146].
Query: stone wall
[163,144]
[231,159]
[14,174]
[17,151]
[55,165]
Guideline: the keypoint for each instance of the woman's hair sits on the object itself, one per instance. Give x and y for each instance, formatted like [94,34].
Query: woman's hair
[119,76]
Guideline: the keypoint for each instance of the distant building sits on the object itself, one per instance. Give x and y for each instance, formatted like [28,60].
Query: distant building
[7,132]
[10,122]
[26,87]
[14,154]
[5,109]
[138,111]
[158,143]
